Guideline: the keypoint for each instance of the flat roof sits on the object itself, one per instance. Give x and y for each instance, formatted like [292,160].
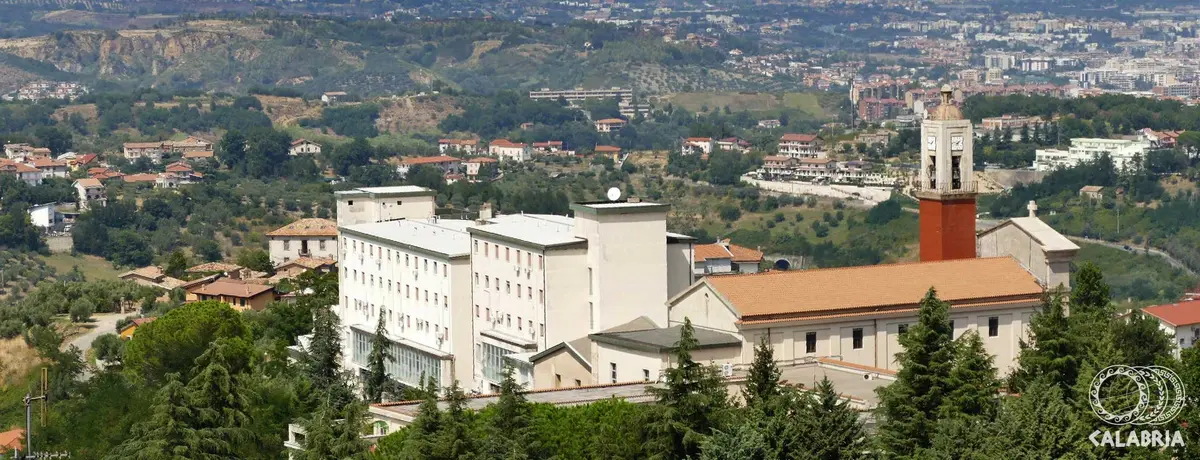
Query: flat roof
[540,230]
[398,190]
[442,237]
[618,207]
[664,339]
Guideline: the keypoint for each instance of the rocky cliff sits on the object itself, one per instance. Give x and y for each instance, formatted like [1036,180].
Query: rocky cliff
[127,53]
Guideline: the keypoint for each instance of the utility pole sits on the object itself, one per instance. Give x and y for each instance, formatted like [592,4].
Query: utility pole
[29,399]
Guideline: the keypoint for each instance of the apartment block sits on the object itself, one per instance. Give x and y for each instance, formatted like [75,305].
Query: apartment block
[801,146]
[378,204]
[1121,151]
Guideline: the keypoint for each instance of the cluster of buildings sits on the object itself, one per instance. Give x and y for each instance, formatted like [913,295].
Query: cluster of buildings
[38,90]
[589,307]
[190,148]
[1122,152]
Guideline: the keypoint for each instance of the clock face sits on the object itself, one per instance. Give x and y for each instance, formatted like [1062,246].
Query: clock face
[956,143]
[931,143]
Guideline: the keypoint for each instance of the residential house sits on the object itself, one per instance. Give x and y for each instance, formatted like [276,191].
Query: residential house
[733,144]
[20,152]
[779,165]
[149,150]
[12,440]
[769,124]
[141,178]
[548,147]
[239,295]
[151,276]
[46,217]
[312,238]
[816,167]
[1180,321]
[697,145]
[304,146]
[724,257]
[127,332]
[1094,192]
[81,161]
[104,173]
[91,193]
[224,269]
[475,165]
[462,146]
[49,167]
[28,174]
[189,144]
[801,146]
[610,151]
[332,97]
[508,150]
[198,156]
[609,125]
[294,268]
[881,137]
[444,164]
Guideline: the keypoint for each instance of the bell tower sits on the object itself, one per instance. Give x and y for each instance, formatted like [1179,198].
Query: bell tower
[946,184]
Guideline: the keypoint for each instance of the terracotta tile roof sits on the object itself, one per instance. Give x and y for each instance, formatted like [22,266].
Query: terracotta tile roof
[232,289]
[816,161]
[1176,314]
[143,145]
[458,141]
[307,227]
[179,166]
[150,272]
[198,154]
[548,144]
[1091,188]
[483,160]
[803,292]
[145,177]
[798,137]
[699,139]
[429,160]
[18,168]
[310,262]
[44,162]
[214,267]
[12,439]
[704,252]
[609,121]
[607,148]
[745,254]
[89,183]
[505,143]
[85,159]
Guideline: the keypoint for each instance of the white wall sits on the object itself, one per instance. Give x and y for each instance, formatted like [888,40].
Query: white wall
[285,248]
[705,309]
[624,279]
[679,268]
[366,209]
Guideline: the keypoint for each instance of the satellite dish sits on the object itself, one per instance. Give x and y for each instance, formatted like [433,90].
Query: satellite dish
[614,194]
[782,265]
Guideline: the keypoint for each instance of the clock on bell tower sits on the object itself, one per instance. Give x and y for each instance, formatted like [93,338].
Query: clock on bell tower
[946,183]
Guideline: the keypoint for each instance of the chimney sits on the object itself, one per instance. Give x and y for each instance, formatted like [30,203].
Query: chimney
[485,211]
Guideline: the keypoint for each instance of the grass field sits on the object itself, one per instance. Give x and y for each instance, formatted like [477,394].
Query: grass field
[94,268]
[1133,276]
[754,102]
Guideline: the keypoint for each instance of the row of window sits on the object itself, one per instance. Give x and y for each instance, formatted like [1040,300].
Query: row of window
[410,261]
[287,245]
[612,374]
[409,291]
[407,365]
[810,338]
[403,320]
[507,318]
[494,251]
[487,283]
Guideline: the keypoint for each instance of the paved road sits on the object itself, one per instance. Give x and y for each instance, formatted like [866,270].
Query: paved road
[1157,252]
[103,323]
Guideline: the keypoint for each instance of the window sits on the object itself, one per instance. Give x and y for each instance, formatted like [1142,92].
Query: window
[407,291]
[541,297]
[810,342]
[520,324]
[508,320]
[540,262]
[406,260]
[589,280]
[529,259]
[435,299]
[497,284]
[902,328]
[557,380]
[506,253]
[487,281]
[645,375]
[398,202]
[613,371]
[542,326]
[287,245]
[476,247]
[435,266]
[485,247]
[477,310]
[426,295]
[321,245]
[350,202]
[952,329]
[426,267]
[578,383]
[476,278]
[508,287]
[489,313]
[994,326]
[518,290]
[591,316]
[858,338]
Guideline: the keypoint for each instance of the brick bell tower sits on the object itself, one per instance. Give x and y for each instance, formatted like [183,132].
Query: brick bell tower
[946,184]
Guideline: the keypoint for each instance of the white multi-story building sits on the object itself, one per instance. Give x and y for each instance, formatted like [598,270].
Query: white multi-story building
[1121,151]
[305,238]
[508,150]
[378,204]
[462,298]
[801,146]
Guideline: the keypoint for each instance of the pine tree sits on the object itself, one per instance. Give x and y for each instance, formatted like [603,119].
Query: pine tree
[829,428]
[420,435]
[334,433]
[1054,352]
[1090,293]
[324,356]
[454,440]
[217,390]
[973,384]
[694,402]
[377,379]
[1038,424]
[171,431]
[909,407]
[509,433]
[1140,342]
[741,443]
[762,381]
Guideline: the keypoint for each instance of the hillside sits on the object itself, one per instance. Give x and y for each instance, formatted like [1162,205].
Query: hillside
[375,58]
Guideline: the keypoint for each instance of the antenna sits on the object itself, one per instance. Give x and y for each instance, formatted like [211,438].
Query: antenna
[614,194]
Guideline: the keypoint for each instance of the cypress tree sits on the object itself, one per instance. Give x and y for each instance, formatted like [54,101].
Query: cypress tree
[377,379]
[1089,293]
[217,389]
[171,432]
[454,440]
[334,433]
[974,388]
[1053,353]
[420,436]
[909,407]
[762,381]
[509,434]
[694,402]
[1038,424]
